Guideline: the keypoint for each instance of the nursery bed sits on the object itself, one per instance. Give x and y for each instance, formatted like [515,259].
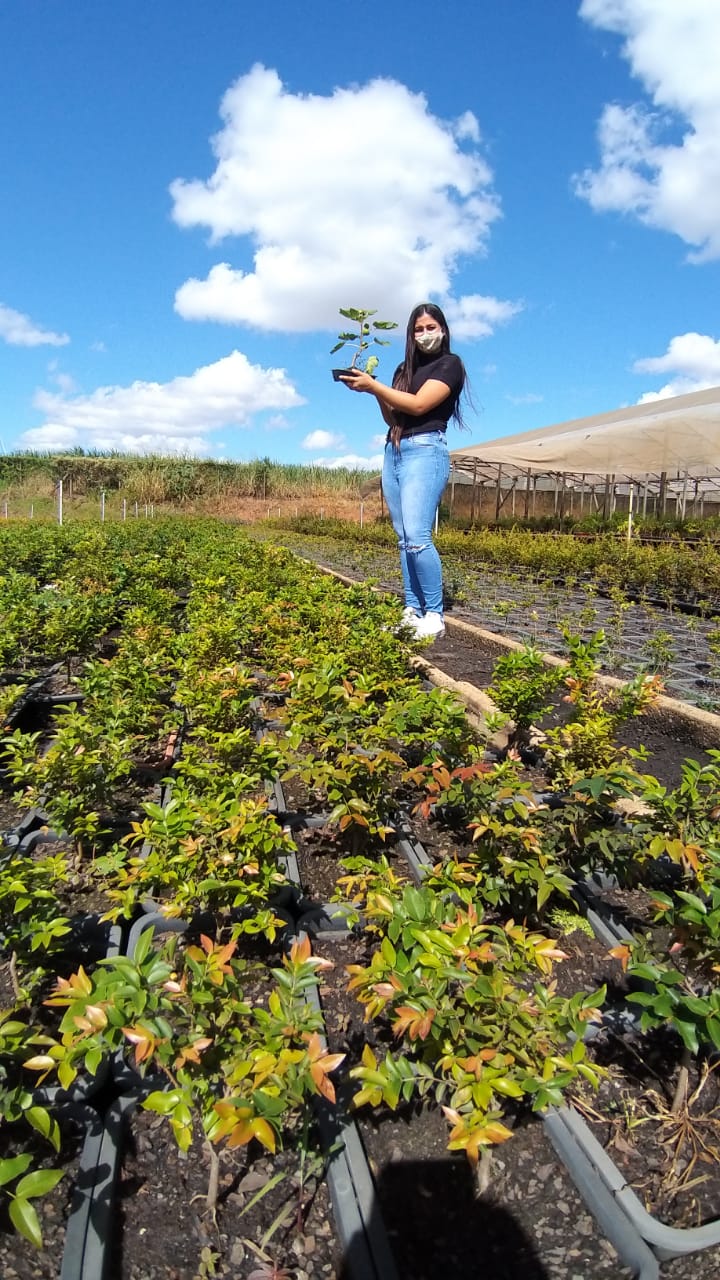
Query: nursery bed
[528,611]
[527,1223]
[162,1226]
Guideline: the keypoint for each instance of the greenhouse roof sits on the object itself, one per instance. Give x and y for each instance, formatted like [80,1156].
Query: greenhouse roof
[673,439]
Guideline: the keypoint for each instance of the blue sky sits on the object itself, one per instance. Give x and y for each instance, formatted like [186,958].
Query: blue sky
[191,190]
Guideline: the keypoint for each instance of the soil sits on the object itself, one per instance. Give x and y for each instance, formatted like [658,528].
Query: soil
[20,1260]
[671,1161]
[163,1225]
[666,739]
[319,852]
[528,1221]
[517,1227]
[530,610]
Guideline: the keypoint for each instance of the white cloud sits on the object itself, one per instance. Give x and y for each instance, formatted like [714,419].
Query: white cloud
[530,397]
[20,331]
[672,48]
[322,440]
[360,198]
[64,381]
[475,316]
[693,359]
[353,461]
[171,417]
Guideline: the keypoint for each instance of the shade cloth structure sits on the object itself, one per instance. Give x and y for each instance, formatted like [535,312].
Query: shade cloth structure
[678,438]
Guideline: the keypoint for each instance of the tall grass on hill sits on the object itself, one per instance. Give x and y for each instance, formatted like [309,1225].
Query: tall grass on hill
[156,479]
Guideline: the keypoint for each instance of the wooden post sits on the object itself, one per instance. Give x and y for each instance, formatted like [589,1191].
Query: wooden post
[498,491]
[124,509]
[60,501]
[472,496]
[527,493]
[662,495]
[630,516]
[452,492]
[683,497]
[102,506]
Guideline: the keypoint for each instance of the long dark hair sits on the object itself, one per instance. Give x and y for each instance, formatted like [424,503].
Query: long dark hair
[404,373]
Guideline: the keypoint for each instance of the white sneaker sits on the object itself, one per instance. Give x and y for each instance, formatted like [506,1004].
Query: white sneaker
[430,627]
[408,622]
[409,617]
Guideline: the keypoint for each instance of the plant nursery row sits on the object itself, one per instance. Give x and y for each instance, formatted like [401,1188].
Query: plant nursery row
[656,631]
[304,977]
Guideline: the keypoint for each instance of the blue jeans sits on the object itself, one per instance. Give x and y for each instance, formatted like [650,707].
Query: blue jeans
[413,479]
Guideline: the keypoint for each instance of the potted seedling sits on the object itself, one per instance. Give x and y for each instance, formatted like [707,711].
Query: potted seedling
[360,338]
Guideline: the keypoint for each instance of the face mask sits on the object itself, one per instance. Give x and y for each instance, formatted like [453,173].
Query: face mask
[429,342]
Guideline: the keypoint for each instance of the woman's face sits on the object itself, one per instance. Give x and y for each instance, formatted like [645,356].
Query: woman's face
[426,324]
[428,334]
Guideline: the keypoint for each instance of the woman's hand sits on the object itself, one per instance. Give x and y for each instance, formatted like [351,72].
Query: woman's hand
[358,380]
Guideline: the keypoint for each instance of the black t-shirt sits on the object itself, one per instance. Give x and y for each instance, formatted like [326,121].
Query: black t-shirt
[446,368]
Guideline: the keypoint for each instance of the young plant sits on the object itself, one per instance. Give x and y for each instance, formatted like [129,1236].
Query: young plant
[362,337]
[587,743]
[474,1014]
[28,1186]
[522,682]
[241,1053]
[203,850]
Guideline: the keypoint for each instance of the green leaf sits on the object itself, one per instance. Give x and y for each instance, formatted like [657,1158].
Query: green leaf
[12,1168]
[713,1029]
[45,1124]
[38,1183]
[688,1032]
[25,1220]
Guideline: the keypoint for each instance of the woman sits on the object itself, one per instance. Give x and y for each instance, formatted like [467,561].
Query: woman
[424,395]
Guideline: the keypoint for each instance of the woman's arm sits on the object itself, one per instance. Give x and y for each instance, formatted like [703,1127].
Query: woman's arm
[431,394]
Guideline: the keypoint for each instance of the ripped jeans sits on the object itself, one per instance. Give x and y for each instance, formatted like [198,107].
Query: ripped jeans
[413,480]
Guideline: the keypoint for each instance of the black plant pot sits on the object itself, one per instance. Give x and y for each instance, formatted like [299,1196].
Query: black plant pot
[342,373]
